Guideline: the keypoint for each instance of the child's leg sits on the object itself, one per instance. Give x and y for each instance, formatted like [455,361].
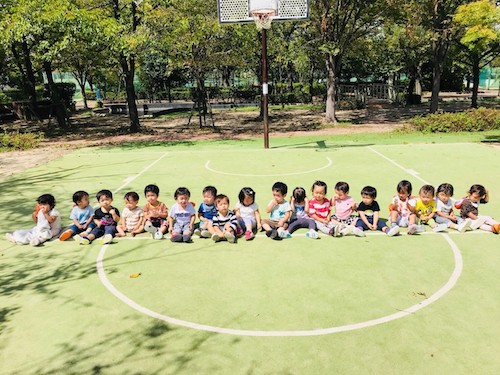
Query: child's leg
[23,236]
[69,232]
[186,233]
[323,228]
[393,217]
[120,232]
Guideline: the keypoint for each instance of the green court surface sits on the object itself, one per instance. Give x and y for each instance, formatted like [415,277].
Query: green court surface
[426,304]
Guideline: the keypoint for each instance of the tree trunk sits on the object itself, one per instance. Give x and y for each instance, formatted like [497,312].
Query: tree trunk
[332,68]
[437,65]
[128,68]
[55,98]
[475,81]
[30,75]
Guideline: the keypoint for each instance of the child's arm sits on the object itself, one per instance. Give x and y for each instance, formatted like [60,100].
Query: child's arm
[114,215]
[292,203]
[170,224]
[376,215]
[237,212]
[271,205]
[191,222]
[306,205]
[258,219]
[87,223]
[285,219]
[362,216]
[49,218]
[164,211]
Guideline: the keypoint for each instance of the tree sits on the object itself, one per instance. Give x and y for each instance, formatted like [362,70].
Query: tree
[340,24]
[479,37]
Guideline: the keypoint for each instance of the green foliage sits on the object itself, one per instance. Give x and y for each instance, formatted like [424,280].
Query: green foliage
[20,141]
[482,119]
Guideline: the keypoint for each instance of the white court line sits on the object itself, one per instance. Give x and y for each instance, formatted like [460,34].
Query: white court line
[315,332]
[129,179]
[267,175]
[409,171]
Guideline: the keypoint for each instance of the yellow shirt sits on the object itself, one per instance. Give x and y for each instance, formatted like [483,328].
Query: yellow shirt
[424,209]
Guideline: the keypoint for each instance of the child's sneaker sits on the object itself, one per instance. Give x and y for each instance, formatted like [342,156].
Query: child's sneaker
[197,232]
[158,235]
[495,228]
[186,238]
[176,237]
[358,232]
[347,230]
[336,231]
[477,223]
[249,235]
[215,237]
[150,228]
[312,234]
[205,234]
[420,228]
[463,226]
[274,235]
[230,237]
[35,242]
[239,231]
[284,234]
[393,231]
[440,228]
[412,229]
[84,241]
[107,238]
[65,235]
[10,237]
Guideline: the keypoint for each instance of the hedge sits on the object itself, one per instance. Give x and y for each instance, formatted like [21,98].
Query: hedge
[481,119]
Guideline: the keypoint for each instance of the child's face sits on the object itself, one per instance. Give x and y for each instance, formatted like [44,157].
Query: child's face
[183,200]
[366,199]
[84,202]
[151,197]
[222,206]
[278,196]
[208,198]
[130,203]
[426,198]
[475,197]
[341,194]
[443,197]
[248,200]
[318,192]
[403,195]
[105,202]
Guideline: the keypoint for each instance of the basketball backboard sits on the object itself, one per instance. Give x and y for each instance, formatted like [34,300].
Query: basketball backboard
[237,11]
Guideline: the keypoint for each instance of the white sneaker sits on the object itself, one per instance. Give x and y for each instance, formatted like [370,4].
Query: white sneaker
[107,238]
[358,232]
[440,228]
[463,226]
[312,234]
[158,235]
[197,232]
[150,228]
[230,237]
[393,231]
[10,237]
[420,228]
[347,230]
[215,237]
[35,242]
[412,229]
[205,234]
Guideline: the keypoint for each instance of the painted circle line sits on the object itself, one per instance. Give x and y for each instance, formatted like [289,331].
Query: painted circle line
[207,166]
[314,332]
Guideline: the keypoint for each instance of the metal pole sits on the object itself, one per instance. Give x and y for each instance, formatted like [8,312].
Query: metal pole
[265,89]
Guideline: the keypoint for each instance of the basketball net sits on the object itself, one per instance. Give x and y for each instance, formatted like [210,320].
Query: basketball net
[262,18]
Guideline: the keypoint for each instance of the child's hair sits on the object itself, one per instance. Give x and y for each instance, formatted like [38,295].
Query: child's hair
[404,186]
[319,184]
[445,188]
[152,189]
[47,199]
[427,189]
[299,193]
[221,197]
[342,186]
[131,195]
[369,191]
[79,195]
[104,193]
[182,191]
[210,189]
[478,189]
[280,187]
[246,192]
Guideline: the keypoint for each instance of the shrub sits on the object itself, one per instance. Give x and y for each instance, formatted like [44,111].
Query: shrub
[20,141]
[481,119]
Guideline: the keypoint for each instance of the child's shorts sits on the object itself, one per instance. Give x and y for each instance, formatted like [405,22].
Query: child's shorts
[351,220]
[157,222]
[272,223]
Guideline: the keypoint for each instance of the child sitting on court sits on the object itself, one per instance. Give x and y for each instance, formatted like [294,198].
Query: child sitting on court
[82,215]
[445,217]
[225,222]
[181,216]
[369,211]
[247,212]
[319,210]
[300,214]
[155,213]
[345,206]
[132,216]
[206,212]
[48,223]
[422,209]
[399,213]
[106,218]
[279,211]
[470,210]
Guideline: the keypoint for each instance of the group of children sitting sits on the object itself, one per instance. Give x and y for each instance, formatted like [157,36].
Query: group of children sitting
[219,222]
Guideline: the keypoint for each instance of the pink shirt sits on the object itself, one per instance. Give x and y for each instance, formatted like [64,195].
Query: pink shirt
[321,209]
[344,207]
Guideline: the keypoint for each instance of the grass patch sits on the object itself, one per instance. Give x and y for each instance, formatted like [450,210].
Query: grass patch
[472,120]
[19,141]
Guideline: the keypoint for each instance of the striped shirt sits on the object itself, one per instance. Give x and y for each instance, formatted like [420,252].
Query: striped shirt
[220,221]
[321,209]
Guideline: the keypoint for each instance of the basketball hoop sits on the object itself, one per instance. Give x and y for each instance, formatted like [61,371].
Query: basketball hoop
[262,12]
